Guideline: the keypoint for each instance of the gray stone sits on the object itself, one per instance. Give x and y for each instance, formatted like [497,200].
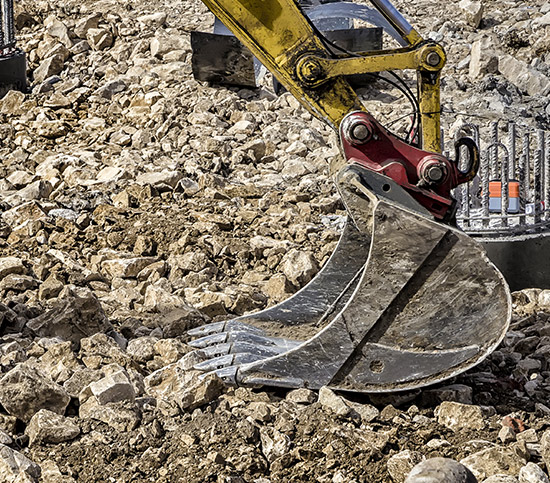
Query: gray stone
[532,473]
[455,392]
[11,265]
[400,465]
[501,479]
[473,12]
[48,427]
[331,401]
[299,266]
[25,390]
[525,78]
[16,467]
[457,416]
[440,470]
[494,461]
[301,396]
[51,66]
[113,388]
[483,59]
[74,314]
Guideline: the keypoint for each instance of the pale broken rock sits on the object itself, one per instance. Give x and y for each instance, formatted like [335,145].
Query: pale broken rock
[99,349]
[99,38]
[39,189]
[113,388]
[122,416]
[12,103]
[299,266]
[400,464]
[501,479]
[524,77]
[483,59]
[48,427]
[126,267]
[75,314]
[142,349]
[440,470]
[274,443]
[301,396]
[159,298]
[49,67]
[457,416]
[170,178]
[330,400]
[52,474]
[24,212]
[18,283]
[494,461]
[25,390]
[473,12]
[9,265]
[545,447]
[17,468]
[202,392]
[532,473]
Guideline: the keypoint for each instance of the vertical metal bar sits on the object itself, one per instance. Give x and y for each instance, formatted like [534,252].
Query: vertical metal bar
[9,16]
[466,204]
[522,189]
[485,188]
[527,173]
[512,150]
[2,41]
[504,185]
[494,151]
[537,172]
[541,148]
[546,175]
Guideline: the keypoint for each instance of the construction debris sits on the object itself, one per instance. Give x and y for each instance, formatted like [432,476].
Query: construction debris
[172,202]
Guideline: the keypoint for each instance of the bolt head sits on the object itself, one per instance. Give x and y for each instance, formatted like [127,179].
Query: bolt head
[435,173]
[433,59]
[361,132]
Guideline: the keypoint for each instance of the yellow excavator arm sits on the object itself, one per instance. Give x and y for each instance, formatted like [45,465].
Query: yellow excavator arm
[288,44]
[406,300]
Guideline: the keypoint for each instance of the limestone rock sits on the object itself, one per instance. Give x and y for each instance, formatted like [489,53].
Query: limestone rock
[25,390]
[50,66]
[483,58]
[76,313]
[16,467]
[457,416]
[48,427]
[401,464]
[440,470]
[524,77]
[113,388]
[532,473]
[299,266]
[11,265]
[493,461]
[473,11]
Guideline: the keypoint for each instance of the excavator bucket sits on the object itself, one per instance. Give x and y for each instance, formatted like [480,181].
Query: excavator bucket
[403,302]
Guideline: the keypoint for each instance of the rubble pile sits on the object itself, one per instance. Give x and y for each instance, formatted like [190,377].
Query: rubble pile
[137,203]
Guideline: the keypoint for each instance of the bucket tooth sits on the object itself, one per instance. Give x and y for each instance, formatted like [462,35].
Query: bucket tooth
[404,302]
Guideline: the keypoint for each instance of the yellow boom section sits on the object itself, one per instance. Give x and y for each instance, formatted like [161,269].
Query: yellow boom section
[283,39]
